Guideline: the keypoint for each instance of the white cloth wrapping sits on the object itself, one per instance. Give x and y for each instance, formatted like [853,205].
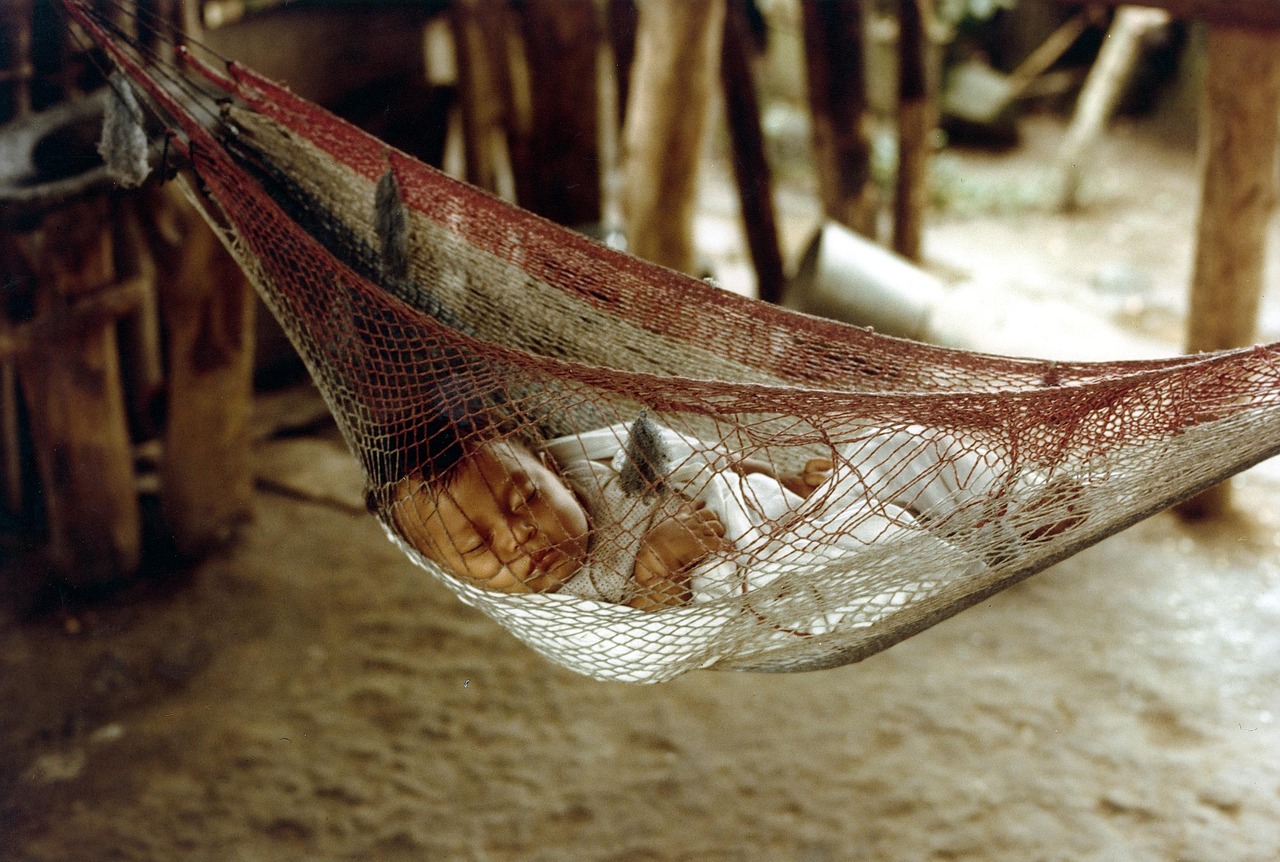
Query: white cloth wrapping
[770,529]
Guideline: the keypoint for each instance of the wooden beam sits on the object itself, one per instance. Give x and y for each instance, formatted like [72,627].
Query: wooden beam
[1262,14]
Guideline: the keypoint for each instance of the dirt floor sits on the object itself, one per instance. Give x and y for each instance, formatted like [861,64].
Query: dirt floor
[308,695]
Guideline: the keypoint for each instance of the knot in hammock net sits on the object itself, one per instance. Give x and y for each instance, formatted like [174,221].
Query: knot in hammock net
[634,472]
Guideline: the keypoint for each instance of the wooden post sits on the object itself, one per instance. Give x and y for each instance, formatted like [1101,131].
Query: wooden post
[206,477]
[561,176]
[1238,194]
[678,46]
[837,82]
[75,401]
[440,65]
[750,165]
[915,125]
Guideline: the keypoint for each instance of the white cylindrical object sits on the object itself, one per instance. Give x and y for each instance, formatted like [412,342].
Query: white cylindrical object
[847,277]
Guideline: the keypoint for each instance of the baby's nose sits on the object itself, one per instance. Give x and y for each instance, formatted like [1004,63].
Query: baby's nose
[524,528]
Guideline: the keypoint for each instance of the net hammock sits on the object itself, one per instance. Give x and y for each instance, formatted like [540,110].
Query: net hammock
[439,322]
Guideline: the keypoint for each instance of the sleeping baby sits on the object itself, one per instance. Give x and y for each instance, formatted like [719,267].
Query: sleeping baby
[650,518]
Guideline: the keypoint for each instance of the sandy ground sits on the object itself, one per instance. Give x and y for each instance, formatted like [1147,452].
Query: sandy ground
[308,695]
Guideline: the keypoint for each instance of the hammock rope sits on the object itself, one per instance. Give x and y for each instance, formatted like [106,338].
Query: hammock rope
[417,301]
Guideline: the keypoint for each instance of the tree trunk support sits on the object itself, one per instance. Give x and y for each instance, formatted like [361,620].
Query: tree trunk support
[1238,193]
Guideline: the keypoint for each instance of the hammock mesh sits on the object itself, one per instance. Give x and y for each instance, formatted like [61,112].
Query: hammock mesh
[962,473]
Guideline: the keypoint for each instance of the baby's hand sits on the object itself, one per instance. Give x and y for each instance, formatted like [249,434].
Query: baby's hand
[670,549]
[815,472]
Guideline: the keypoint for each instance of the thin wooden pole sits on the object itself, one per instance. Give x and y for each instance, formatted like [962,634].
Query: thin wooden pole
[1239,143]
[841,118]
[915,126]
[750,164]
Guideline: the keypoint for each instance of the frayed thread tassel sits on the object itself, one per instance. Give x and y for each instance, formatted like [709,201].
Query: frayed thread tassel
[647,461]
[391,222]
[123,145]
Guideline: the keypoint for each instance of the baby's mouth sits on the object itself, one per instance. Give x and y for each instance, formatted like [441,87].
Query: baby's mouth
[541,562]
[550,568]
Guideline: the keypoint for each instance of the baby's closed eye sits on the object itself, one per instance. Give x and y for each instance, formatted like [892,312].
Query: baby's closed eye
[470,546]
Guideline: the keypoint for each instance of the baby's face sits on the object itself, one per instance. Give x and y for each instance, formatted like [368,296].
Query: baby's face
[506,522]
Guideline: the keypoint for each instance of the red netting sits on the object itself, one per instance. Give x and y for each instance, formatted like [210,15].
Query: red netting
[639,474]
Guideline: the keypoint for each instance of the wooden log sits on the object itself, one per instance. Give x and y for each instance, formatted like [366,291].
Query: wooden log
[1239,144]
[750,165]
[678,44]
[836,71]
[1102,89]
[75,402]
[206,476]
[915,129]
[560,175]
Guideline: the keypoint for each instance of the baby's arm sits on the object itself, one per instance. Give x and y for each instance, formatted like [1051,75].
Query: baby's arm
[671,548]
[802,484]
